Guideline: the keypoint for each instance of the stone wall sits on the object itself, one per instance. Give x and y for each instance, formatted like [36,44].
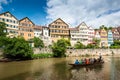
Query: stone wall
[80,52]
[42,50]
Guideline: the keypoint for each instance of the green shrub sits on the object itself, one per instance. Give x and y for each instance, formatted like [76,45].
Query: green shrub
[42,55]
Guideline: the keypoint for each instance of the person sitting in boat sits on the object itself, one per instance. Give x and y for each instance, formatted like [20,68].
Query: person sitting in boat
[84,61]
[80,62]
[100,57]
[87,61]
[95,60]
[91,60]
[76,62]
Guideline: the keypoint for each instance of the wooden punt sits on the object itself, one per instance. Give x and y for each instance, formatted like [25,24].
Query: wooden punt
[85,65]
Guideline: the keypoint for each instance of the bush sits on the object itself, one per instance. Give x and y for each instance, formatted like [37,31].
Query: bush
[59,48]
[17,48]
[42,55]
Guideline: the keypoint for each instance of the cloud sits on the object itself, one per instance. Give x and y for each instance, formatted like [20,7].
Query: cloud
[4,2]
[93,12]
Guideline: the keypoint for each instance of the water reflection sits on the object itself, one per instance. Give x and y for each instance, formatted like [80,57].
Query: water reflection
[86,73]
[58,69]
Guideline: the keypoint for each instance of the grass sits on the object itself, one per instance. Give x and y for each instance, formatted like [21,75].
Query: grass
[42,55]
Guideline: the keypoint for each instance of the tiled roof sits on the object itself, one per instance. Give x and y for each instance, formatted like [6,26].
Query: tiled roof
[38,27]
[73,29]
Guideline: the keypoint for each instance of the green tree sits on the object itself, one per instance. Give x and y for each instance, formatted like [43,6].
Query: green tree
[59,48]
[17,48]
[116,45]
[90,46]
[103,26]
[38,42]
[79,45]
[110,28]
[97,42]
[3,30]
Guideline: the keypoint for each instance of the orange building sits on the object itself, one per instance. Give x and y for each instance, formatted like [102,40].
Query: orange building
[58,29]
[26,28]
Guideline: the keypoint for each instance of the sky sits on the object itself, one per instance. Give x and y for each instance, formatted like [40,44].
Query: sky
[42,12]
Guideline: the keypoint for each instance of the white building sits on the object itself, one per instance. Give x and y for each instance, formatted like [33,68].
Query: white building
[38,31]
[97,34]
[80,34]
[91,35]
[12,23]
[45,36]
[74,36]
[83,30]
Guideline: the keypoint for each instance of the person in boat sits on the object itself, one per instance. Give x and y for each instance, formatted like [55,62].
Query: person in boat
[91,60]
[84,61]
[76,62]
[87,61]
[100,57]
[95,60]
[80,62]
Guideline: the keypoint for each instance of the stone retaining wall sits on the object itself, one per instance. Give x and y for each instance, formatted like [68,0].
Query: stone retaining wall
[78,52]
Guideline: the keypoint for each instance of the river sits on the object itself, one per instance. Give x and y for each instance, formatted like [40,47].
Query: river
[58,69]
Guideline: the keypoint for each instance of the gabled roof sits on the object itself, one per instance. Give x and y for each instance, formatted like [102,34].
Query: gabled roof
[73,29]
[28,19]
[114,29]
[81,24]
[61,20]
[9,13]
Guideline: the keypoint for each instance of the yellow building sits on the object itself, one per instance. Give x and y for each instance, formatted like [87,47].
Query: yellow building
[58,29]
[104,38]
[11,23]
[26,28]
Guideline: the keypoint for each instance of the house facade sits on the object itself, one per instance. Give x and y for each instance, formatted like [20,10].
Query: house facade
[74,36]
[26,28]
[97,34]
[11,22]
[91,34]
[83,31]
[110,38]
[104,38]
[116,34]
[45,36]
[58,29]
[38,31]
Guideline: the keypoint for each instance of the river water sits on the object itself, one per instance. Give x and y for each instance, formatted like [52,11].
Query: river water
[58,69]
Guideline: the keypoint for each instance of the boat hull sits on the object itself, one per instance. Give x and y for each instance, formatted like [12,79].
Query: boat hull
[85,65]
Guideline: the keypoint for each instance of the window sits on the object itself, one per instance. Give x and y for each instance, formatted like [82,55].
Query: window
[3,19]
[29,35]
[22,34]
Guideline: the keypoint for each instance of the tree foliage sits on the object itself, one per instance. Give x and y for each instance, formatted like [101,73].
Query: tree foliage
[97,42]
[103,26]
[17,48]
[3,30]
[59,48]
[79,45]
[89,46]
[38,42]
[116,45]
